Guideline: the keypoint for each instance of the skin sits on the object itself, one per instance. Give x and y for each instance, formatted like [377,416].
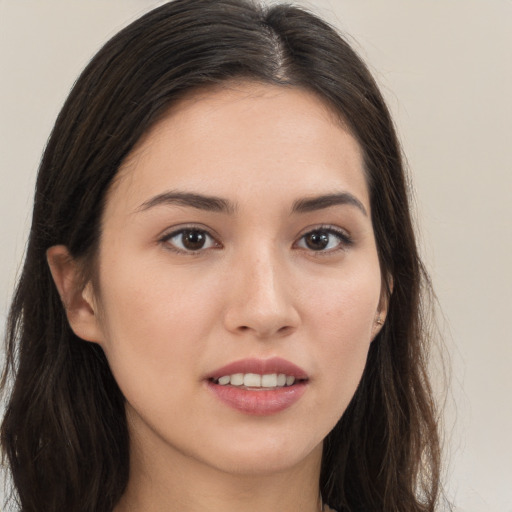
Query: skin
[165,319]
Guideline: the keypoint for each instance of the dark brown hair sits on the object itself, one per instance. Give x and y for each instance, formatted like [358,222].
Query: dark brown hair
[64,433]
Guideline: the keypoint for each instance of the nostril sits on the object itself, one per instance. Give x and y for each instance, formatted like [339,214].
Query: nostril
[262,319]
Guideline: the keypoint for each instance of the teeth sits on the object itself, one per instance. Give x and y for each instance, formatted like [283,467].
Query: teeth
[269,381]
[252,380]
[255,380]
[224,380]
[289,380]
[237,379]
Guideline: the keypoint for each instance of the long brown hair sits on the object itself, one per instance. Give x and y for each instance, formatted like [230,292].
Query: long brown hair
[64,433]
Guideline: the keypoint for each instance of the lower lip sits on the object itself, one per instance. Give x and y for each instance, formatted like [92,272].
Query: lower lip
[258,402]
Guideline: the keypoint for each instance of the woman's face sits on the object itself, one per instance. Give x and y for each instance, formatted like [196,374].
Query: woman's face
[237,242]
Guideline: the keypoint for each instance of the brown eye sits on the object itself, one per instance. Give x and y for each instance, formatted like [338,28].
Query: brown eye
[193,240]
[317,240]
[325,240]
[190,240]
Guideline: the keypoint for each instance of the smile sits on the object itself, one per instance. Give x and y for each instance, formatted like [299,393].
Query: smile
[255,380]
[258,386]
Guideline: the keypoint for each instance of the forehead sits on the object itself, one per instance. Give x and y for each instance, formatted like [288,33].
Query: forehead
[235,137]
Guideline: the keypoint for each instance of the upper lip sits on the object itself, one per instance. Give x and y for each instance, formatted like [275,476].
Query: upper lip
[259,366]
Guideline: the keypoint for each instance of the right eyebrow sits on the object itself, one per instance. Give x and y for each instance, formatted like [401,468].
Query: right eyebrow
[199,201]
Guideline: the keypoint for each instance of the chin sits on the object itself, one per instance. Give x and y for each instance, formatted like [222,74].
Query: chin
[266,456]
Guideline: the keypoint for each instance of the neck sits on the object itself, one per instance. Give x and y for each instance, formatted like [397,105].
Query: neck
[172,482]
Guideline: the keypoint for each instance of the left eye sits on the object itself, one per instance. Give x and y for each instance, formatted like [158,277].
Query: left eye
[323,240]
[190,240]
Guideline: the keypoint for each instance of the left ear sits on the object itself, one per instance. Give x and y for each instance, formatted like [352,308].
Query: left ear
[382,310]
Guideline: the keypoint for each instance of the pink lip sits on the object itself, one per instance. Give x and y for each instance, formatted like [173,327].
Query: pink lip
[261,366]
[259,401]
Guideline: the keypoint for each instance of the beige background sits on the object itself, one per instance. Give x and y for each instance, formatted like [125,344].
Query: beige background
[445,67]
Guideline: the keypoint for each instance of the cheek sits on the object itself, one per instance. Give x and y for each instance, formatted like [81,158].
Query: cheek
[341,324]
[345,307]
[151,328]
[153,342]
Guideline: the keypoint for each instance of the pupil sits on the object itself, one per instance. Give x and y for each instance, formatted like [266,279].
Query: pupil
[318,240]
[193,240]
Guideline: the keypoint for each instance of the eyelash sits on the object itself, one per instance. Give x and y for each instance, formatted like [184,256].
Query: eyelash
[345,241]
[166,239]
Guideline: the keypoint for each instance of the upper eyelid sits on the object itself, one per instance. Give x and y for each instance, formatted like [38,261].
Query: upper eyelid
[167,236]
[325,227]
[345,238]
[176,230]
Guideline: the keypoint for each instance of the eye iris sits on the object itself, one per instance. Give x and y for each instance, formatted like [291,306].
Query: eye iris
[193,240]
[317,240]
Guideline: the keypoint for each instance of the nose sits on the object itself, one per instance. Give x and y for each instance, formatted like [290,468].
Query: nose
[260,298]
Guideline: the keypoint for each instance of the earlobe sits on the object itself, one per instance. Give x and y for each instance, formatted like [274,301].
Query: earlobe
[382,311]
[77,299]
[377,325]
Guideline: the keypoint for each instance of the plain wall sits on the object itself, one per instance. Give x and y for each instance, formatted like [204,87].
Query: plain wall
[445,68]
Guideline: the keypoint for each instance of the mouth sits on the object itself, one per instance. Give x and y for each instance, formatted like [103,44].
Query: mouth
[258,386]
[255,381]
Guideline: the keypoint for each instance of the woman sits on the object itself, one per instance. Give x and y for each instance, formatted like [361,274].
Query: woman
[220,303]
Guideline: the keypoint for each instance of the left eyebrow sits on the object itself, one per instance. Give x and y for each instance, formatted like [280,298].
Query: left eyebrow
[310,204]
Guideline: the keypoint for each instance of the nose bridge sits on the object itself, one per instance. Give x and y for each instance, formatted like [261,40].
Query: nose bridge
[263,280]
[261,300]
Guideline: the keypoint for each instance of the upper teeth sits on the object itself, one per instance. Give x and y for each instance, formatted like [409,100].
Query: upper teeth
[254,380]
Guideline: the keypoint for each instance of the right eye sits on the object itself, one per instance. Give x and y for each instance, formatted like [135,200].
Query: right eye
[190,240]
